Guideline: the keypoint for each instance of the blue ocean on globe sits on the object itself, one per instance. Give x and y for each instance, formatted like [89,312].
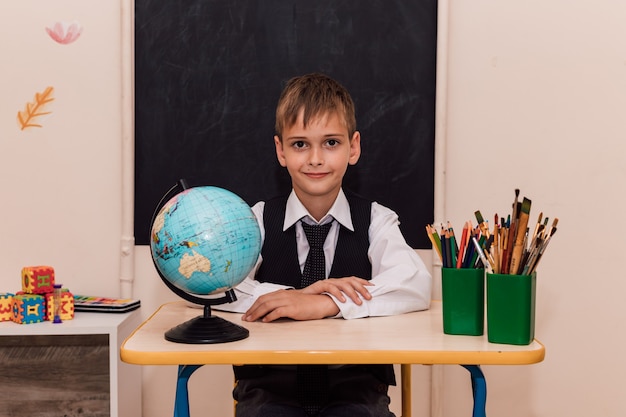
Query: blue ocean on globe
[205,240]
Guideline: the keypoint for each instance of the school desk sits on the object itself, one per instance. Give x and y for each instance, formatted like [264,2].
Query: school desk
[414,338]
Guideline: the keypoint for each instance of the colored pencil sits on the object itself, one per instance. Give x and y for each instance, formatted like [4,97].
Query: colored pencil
[459,261]
[444,247]
[434,239]
[454,248]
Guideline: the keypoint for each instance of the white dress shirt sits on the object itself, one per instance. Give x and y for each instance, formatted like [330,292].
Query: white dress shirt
[401,281]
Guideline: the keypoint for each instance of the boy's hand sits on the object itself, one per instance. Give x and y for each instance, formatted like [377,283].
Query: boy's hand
[309,303]
[293,304]
[353,287]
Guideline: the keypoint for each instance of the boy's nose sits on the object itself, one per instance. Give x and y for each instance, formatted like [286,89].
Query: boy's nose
[316,157]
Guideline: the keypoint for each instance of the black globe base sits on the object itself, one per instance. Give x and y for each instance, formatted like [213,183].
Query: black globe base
[205,330]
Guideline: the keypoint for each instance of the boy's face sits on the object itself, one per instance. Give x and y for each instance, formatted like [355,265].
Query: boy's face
[317,157]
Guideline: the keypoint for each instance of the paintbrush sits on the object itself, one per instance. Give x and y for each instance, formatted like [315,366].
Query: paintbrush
[504,230]
[482,257]
[537,226]
[482,224]
[533,255]
[518,247]
[496,245]
[510,239]
[487,249]
[554,223]
[542,249]
[515,214]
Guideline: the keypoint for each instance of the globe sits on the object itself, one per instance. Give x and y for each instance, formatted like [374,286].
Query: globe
[204,241]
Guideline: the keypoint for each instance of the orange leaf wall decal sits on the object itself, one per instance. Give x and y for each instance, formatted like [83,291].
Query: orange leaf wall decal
[35,109]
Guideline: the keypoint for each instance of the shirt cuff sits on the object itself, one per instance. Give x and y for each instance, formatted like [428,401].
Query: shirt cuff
[349,309]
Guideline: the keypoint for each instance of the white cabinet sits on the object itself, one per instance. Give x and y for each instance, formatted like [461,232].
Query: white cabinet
[45,367]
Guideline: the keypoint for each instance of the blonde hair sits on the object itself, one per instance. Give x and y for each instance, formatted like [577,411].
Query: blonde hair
[316,95]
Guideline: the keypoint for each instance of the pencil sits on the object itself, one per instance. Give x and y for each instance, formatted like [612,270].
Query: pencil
[454,250]
[434,239]
[468,248]
[444,247]
[459,261]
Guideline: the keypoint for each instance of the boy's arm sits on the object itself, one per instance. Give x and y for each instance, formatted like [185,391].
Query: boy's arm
[247,292]
[401,281]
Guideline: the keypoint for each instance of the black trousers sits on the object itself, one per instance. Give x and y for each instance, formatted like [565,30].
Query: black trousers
[354,392]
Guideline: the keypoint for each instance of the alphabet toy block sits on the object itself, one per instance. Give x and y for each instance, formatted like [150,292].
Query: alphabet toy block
[28,308]
[67,306]
[37,279]
[6,306]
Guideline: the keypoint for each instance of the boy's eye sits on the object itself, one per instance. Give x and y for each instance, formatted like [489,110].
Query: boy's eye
[299,144]
[332,142]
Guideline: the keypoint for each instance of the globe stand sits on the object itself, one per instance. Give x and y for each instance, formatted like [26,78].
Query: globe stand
[206,329]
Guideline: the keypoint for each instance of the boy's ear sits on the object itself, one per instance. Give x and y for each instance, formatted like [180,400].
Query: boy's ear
[280,154]
[355,148]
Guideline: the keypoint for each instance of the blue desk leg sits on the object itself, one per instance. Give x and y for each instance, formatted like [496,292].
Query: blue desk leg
[479,388]
[181,405]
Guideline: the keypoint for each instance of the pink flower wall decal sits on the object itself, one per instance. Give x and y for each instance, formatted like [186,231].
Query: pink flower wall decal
[64,32]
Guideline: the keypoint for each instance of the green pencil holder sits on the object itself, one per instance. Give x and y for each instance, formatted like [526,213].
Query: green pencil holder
[511,308]
[463,299]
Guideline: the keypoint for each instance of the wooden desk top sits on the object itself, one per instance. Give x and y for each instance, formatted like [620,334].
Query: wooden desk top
[413,338]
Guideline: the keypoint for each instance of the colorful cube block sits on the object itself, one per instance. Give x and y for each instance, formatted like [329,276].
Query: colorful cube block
[6,306]
[67,305]
[38,279]
[29,308]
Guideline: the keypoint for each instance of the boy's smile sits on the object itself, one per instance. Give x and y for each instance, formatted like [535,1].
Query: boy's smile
[317,157]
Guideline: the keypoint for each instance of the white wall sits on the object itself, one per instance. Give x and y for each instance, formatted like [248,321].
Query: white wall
[60,184]
[536,94]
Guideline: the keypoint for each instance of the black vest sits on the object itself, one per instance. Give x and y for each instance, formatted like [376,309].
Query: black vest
[280,257]
[280,262]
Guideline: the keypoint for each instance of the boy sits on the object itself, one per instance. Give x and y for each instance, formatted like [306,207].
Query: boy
[367,269]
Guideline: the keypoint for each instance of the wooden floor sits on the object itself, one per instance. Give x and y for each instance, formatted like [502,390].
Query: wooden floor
[54,376]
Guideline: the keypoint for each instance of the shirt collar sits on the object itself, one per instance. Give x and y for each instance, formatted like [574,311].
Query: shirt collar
[339,211]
